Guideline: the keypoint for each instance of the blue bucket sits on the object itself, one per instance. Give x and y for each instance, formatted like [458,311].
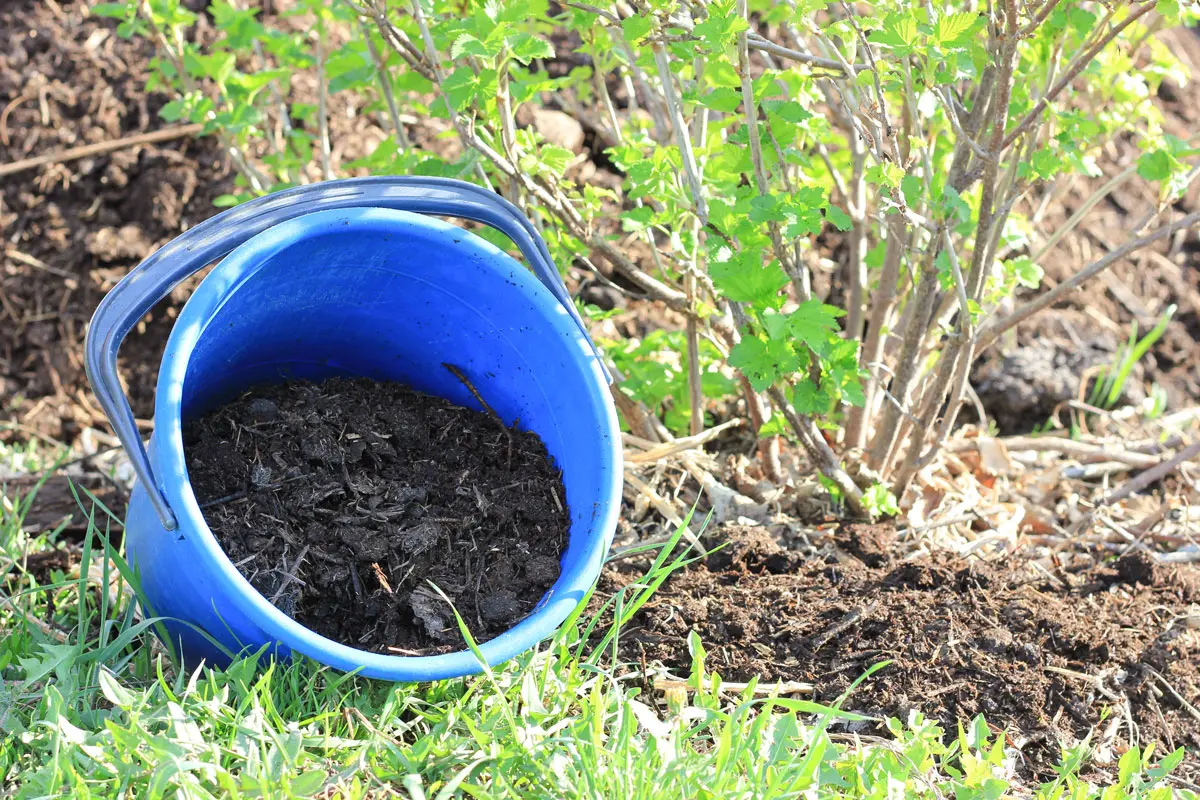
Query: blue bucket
[354,277]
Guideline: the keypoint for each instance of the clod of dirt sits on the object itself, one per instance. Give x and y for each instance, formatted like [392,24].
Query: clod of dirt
[1025,651]
[341,500]
[751,551]
[871,544]
[1140,567]
[1024,388]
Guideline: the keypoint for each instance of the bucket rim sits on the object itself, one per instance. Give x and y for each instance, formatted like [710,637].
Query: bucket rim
[218,286]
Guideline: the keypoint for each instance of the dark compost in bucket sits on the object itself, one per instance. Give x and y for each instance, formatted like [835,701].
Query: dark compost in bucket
[341,500]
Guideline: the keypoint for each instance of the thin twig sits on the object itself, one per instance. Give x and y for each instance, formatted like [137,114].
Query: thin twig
[462,376]
[322,103]
[1054,444]
[100,148]
[992,330]
[385,86]
[661,451]
[664,508]
[849,619]
[290,575]
[1155,473]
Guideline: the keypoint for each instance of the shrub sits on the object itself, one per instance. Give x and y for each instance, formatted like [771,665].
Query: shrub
[924,138]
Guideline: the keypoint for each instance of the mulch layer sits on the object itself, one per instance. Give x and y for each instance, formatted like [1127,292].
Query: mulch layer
[342,500]
[1041,656]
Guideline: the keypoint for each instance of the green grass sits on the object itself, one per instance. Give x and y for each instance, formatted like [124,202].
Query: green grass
[91,706]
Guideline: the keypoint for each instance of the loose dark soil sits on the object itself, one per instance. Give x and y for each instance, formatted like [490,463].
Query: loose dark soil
[71,230]
[1039,656]
[341,501]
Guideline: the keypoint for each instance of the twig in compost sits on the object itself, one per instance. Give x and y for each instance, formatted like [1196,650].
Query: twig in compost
[379,576]
[851,617]
[37,263]
[1191,709]
[244,493]
[289,576]
[462,376]
[100,148]
[1161,470]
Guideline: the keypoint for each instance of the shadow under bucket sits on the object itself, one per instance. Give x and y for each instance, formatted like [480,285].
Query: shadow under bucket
[344,278]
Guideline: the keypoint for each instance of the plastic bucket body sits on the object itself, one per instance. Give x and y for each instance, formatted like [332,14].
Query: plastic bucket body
[389,295]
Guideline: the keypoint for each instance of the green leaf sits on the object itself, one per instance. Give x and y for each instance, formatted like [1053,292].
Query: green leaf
[526,47]
[808,398]
[636,27]
[1129,766]
[468,45]
[911,188]
[462,88]
[813,323]
[1046,163]
[880,501]
[953,28]
[1081,21]
[112,690]
[746,279]
[838,218]
[1168,10]
[723,98]
[763,362]
[172,111]
[721,27]
[556,158]
[898,32]
[721,74]
[885,174]
[777,425]
[1027,273]
[788,111]
[308,783]
[765,208]
[636,219]
[1157,165]
[52,657]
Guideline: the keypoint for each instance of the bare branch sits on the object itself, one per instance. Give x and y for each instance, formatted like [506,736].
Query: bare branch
[993,329]
[757,42]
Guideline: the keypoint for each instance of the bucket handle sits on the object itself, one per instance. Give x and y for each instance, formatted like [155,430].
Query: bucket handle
[154,278]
